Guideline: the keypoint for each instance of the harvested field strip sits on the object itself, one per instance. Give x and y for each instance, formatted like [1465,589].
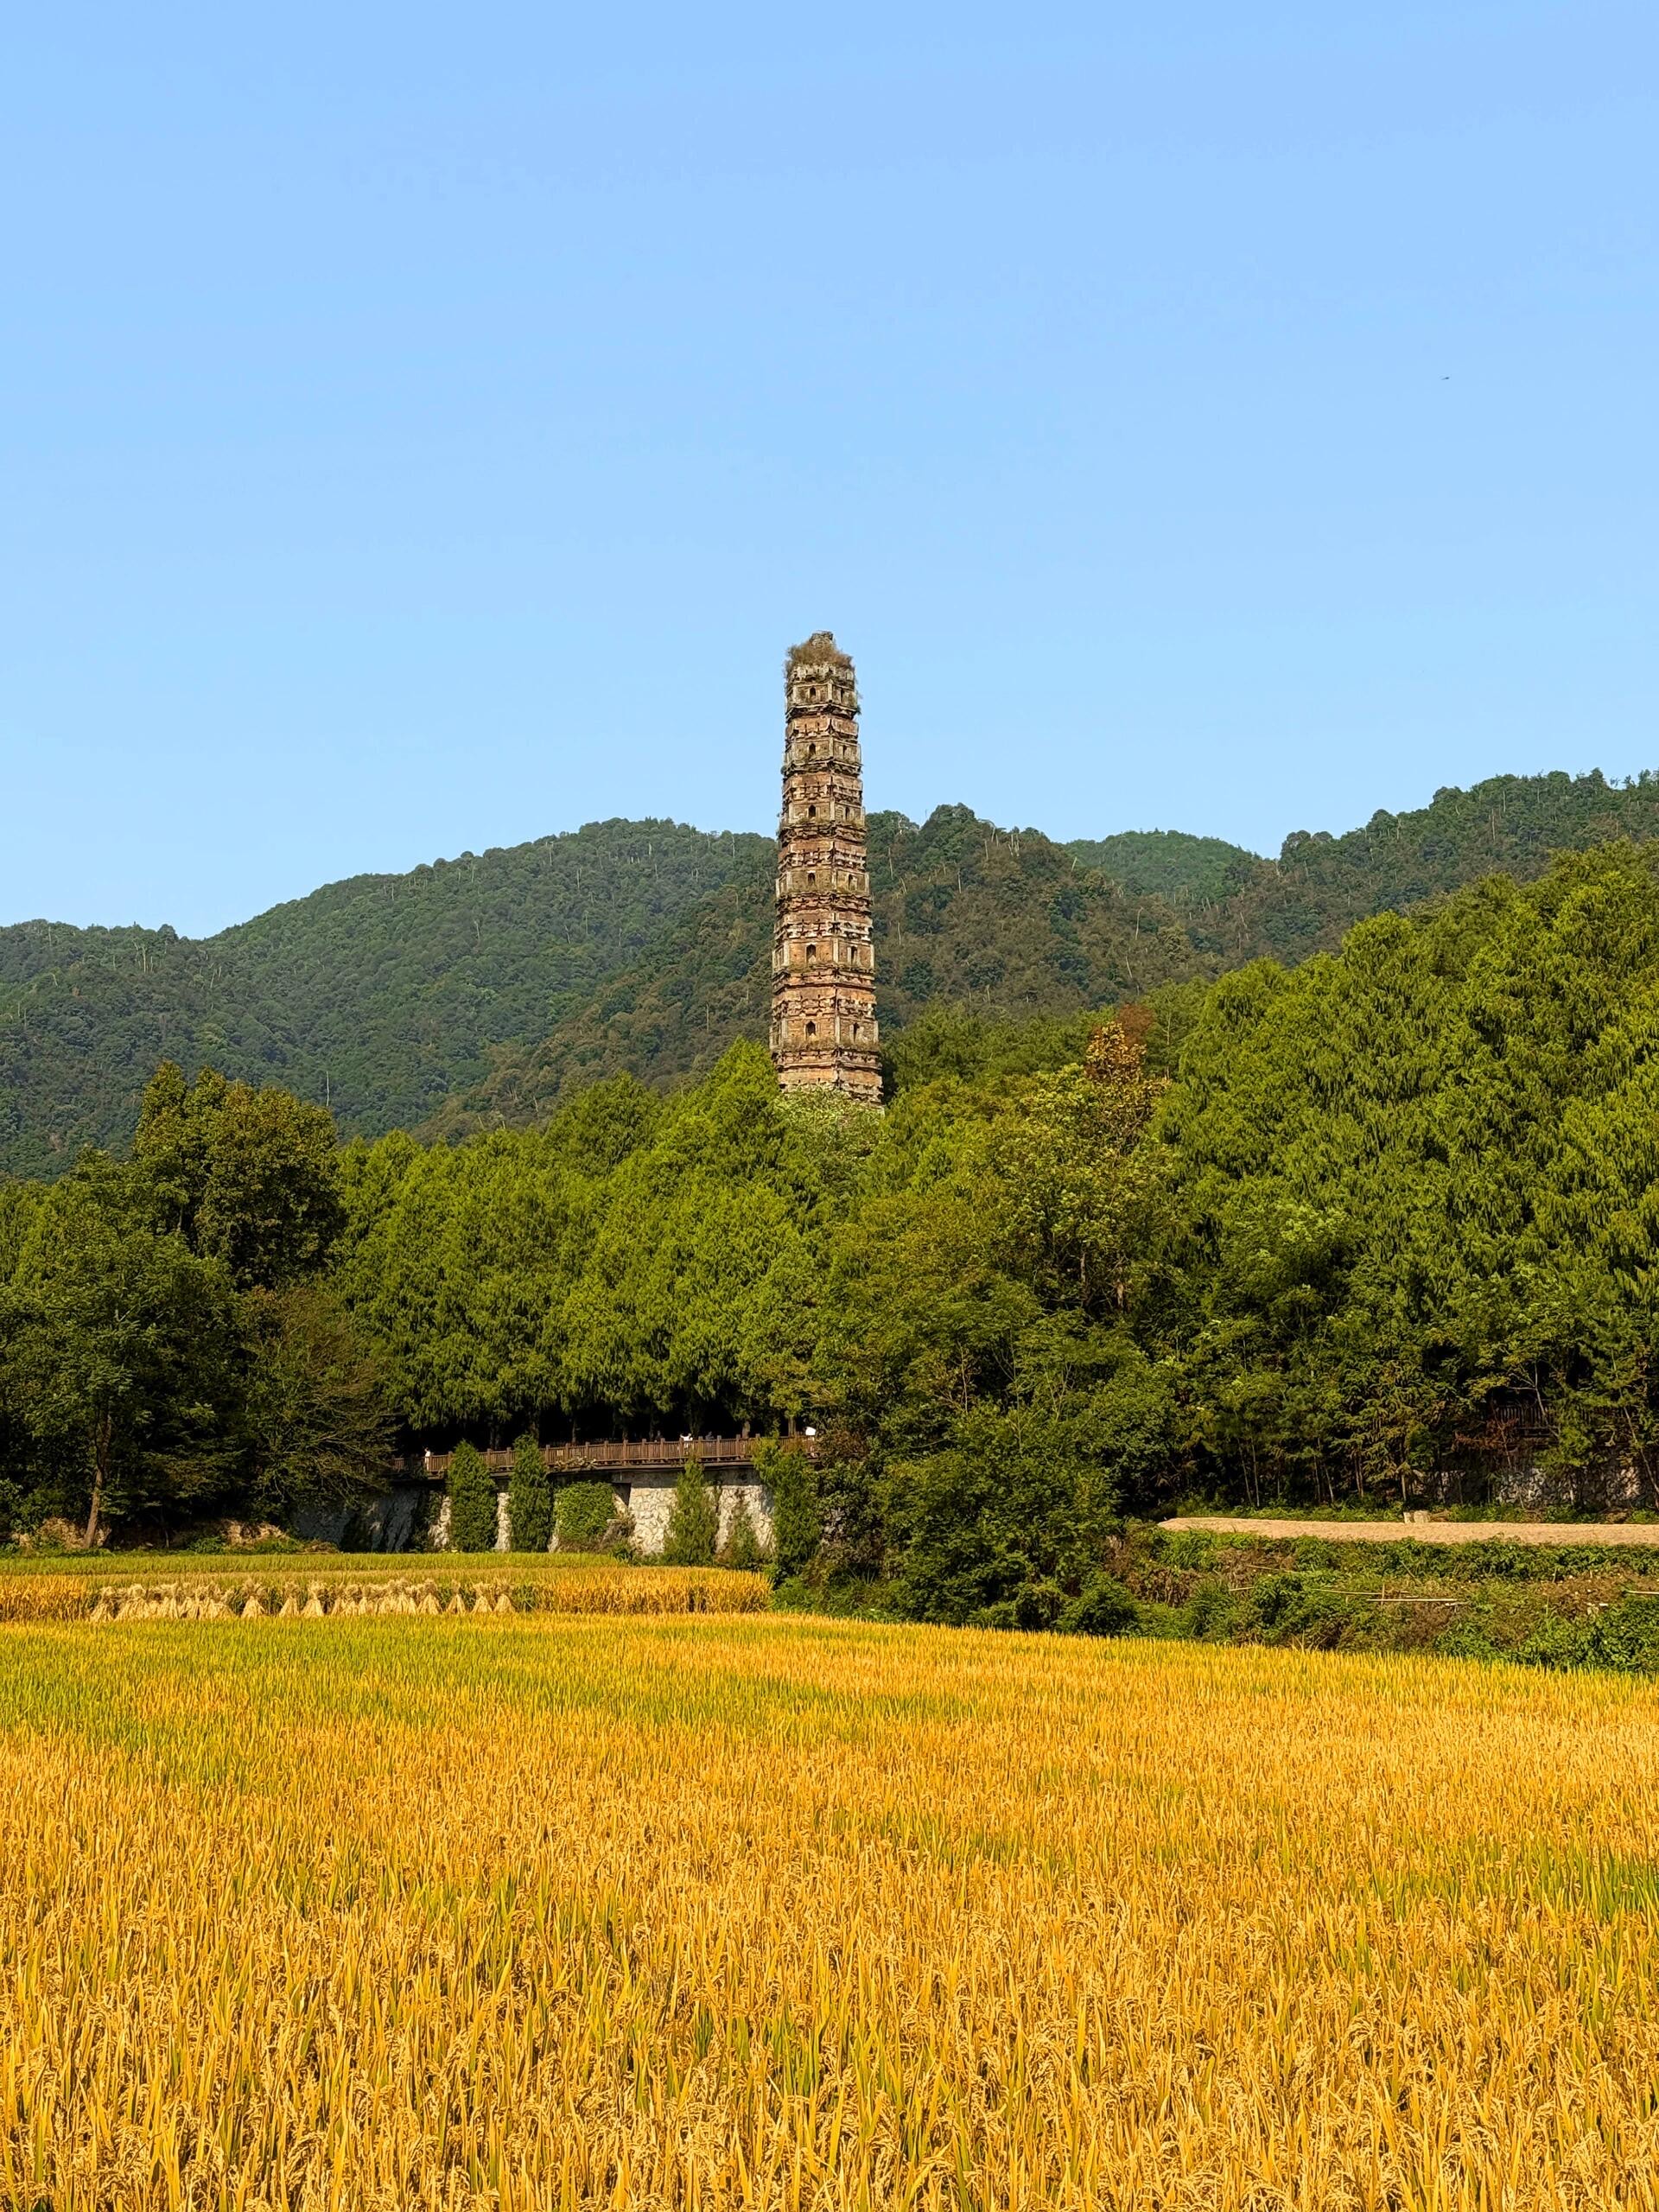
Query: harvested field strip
[617,1589]
[1590,1533]
[112,1566]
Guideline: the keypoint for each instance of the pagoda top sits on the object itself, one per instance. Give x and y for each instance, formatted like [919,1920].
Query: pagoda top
[819,650]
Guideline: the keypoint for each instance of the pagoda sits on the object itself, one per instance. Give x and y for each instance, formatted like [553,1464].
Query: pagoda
[824,1033]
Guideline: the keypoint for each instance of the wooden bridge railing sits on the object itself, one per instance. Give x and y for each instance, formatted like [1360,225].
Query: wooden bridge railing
[649,1454]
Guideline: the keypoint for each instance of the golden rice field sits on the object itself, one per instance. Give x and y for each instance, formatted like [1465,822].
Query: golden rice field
[556,1910]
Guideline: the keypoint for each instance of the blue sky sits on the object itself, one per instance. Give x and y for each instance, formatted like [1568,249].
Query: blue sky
[423,428]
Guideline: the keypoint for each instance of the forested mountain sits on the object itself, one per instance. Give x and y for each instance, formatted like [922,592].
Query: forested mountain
[1008,926]
[1168,864]
[378,996]
[1380,1225]
[479,991]
[1322,884]
[1000,922]
[1238,904]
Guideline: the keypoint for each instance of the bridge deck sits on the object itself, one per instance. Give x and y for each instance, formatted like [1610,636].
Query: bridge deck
[624,1457]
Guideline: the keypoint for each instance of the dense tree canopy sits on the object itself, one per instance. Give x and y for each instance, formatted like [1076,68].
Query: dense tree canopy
[1381,1225]
[1376,1225]
[247,1176]
[167,1340]
[1411,1191]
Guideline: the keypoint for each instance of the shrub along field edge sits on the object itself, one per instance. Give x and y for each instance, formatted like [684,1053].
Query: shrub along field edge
[1557,1605]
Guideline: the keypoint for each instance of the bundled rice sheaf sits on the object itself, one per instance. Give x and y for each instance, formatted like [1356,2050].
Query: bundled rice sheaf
[26,1597]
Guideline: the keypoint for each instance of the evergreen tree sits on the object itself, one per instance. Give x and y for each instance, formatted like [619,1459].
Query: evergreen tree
[472,1502]
[693,1520]
[741,1547]
[585,1514]
[530,1499]
[797,1518]
[318,1422]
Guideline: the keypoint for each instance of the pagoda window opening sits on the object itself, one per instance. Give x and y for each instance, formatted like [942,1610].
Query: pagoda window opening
[811,1028]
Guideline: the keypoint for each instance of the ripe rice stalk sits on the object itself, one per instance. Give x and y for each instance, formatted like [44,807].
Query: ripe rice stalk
[804,1915]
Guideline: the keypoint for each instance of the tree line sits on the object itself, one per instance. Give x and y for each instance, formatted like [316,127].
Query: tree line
[1379,1227]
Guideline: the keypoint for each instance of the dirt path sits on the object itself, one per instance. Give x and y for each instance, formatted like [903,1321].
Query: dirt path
[1429,1532]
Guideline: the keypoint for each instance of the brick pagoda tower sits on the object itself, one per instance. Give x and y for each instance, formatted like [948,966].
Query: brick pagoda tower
[824,1032]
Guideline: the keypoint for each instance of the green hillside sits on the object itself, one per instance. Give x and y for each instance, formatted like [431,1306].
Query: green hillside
[380,995]
[1322,884]
[1004,922]
[1010,926]
[1169,864]
[481,990]
[1237,906]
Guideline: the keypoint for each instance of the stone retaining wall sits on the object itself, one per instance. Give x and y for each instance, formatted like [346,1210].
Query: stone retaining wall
[397,1520]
